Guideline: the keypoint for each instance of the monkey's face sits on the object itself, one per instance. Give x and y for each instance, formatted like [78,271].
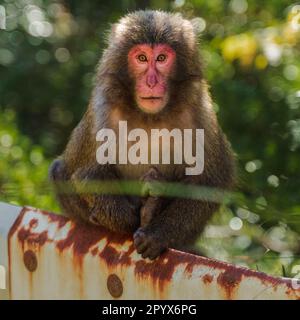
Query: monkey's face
[150,67]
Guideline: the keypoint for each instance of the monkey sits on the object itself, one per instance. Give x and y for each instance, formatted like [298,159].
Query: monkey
[150,75]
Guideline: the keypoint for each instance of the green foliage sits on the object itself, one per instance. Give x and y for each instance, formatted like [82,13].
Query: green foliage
[23,168]
[48,56]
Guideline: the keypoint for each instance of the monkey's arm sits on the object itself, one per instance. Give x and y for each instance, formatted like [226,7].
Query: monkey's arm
[114,212]
[152,205]
[180,222]
[177,226]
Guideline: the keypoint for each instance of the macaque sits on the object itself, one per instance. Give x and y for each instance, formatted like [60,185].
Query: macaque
[151,76]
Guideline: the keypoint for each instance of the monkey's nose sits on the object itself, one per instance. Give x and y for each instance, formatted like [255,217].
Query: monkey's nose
[151,81]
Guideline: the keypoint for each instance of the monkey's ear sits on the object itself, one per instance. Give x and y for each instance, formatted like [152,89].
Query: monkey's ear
[198,25]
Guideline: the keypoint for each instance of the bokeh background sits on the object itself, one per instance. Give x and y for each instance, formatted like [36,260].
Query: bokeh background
[251,50]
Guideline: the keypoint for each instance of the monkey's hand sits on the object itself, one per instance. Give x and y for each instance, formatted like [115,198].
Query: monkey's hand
[148,244]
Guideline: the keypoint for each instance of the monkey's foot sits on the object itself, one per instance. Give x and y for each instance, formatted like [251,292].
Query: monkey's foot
[147,244]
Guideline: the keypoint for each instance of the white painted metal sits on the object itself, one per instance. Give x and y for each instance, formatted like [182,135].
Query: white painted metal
[72,261]
[8,215]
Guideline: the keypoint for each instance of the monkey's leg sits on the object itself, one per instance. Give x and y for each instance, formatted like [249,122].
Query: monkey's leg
[70,202]
[178,225]
[114,212]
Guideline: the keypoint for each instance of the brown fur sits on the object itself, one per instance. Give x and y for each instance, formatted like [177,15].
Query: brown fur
[177,222]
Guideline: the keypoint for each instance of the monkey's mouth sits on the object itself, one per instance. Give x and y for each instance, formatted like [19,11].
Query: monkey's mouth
[151,98]
[151,104]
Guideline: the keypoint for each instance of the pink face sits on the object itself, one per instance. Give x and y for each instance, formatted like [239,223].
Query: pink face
[151,67]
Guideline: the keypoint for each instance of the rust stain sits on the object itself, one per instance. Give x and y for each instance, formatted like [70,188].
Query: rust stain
[162,272]
[241,271]
[110,255]
[55,218]
[95,251]
[26,235]
[229,282]
[125,258]
[33,223]
[113,257]
[207,278]
[17,223]
[83,238]
[291,293]
[80,239]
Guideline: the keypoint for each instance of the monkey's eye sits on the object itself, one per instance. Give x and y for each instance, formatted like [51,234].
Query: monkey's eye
[142,58]
[161,58]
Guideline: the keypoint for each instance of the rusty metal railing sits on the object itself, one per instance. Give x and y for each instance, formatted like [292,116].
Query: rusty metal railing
[47,256]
